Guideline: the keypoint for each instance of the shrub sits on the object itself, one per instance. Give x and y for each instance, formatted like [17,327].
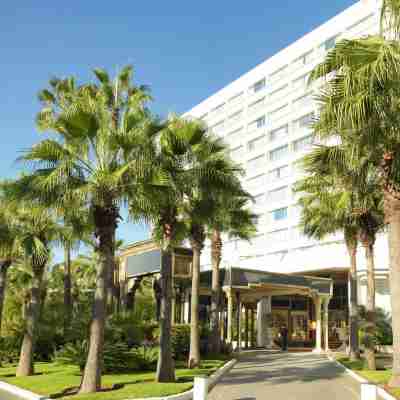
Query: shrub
[123,328]
[146,357]
[180,341]
[9,349]
[117,356]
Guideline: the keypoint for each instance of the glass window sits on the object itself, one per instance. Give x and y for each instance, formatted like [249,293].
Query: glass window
[276,195]
[258,123]
[259,200]
[279,153]
[257,105]
[279,214]
[256,182]
[278,173]
[235,117]
[300,82]
[256,163]
[278,112]
[237,152]
[303,59]
[235,135]
[258,86]
[330,43]
[278,93]
[303,143]
[278,133]
[236,98]
[218,127]
[303,101]
[256,143]
[304,122]
[280,235]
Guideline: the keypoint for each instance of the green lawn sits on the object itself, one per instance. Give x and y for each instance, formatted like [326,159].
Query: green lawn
[51,379]
[380,377]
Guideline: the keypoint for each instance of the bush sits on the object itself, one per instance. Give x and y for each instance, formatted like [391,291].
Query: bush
[180,341]
[146,357]
[117,356]
[123,328]
[10,347]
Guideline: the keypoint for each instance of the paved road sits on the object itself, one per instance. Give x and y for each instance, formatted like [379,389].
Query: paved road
[287,376]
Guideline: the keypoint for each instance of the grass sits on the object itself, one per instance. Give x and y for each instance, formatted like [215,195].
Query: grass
[380,377]
[51,379]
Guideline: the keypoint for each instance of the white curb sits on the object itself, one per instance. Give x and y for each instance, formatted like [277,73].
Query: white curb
[381,392]
[213,380]
[20,393]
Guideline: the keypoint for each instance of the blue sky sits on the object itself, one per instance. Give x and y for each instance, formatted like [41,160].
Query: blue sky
[185,50]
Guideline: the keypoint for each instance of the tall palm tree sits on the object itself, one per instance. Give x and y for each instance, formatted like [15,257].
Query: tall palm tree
[232,218]
[101,153]
[37,229]
[8,249]
[199,208]
[342,194]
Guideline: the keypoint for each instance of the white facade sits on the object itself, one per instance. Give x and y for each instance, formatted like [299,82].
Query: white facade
[264,116]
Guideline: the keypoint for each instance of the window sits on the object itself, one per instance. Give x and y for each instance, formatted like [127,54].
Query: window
[276,195]
[256,182]
[301,82]
[303,101]
[233,118]
[219,108]
[256,163]
[304,122]
[303,59]
[234,136]
[329,44]
[279,73]
[258,123]
[278,93]
[258,86]
[278,133]
[280,214]
[280,235]
[259,200]
[218,127]
[278,173]
[256,106]
[237,152]
[279,153]
[278,112]
[256,143]
[236,98]
[303,143]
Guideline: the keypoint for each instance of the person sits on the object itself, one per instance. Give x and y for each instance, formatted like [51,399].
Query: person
[284,338]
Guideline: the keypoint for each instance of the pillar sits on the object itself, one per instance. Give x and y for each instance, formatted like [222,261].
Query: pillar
[318,332]
[186,307]
[252,328]
[326,323]
[246,328]
[229,296]
[264,334]
[238,321]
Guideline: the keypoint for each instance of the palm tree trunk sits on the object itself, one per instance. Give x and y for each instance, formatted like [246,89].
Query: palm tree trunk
[105,220]
[4,265]
[370,308]
[67,290]
[25,365]
[216,250]
[352,277]
[165,365]
[394,254]
[194,354]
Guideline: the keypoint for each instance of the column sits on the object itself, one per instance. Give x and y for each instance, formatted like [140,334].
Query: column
[318,332]
[238,321]
[264,334]
[252,328]
[229,296]
[186,307]
[246,327]
[326,322]
[173,306]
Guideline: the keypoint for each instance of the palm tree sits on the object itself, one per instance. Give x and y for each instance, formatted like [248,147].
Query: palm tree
[36,230]
[219,177]
[8,250]
[234,219]
[342,194]
[101,153]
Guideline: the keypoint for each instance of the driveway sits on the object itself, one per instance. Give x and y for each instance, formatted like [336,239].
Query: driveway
[288,376]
